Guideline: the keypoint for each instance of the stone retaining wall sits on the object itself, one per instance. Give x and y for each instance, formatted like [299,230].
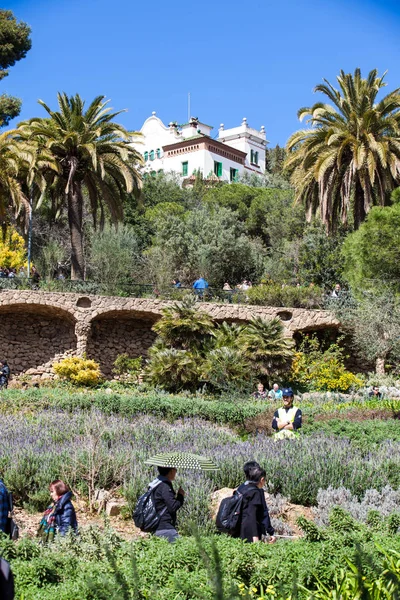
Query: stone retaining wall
[38,328]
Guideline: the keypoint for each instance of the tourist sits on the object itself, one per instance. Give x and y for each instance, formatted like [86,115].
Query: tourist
[3,377]
[375,393]
[260,393]
[227,287]
[199,286]
[267,528]
[176,283]
[252,525]
[287,420]
[5,373]
[275,393]
[60,516]
[336,291]
[4,506]
[167,504]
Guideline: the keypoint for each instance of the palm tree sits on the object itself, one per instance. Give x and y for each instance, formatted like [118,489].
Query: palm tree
[265,346]
[183,327]
[18,163]
[350,157]
[93,155]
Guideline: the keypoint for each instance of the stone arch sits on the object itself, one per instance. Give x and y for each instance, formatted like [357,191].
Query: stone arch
[32,336]
[117,332]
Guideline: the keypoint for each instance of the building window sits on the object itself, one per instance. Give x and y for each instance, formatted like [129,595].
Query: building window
[253,157]
[234,175]
[151,156]
[146,156]
[185,169]
[217,168]
[158,153]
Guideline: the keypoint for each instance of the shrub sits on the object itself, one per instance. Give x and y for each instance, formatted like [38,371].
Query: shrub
[320,370]
[79,371]
[273,294]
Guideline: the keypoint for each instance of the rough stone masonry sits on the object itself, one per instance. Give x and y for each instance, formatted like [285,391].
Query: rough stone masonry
[39,328]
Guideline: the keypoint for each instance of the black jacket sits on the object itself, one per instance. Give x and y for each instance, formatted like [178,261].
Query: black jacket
[266,526]
[252,513]
[167,504]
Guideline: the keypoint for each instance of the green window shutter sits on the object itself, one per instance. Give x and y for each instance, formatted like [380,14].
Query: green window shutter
[256,157]
[219,169]
[151,154]
[146,156]
[234,174]
[158,152]
[251,156]
[185,169]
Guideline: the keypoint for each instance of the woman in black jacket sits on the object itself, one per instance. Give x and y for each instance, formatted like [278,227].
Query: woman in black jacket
[64,511]
[167,504]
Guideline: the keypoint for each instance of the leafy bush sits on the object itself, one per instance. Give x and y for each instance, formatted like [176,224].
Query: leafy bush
[79,371]
[273,294]
[320,370]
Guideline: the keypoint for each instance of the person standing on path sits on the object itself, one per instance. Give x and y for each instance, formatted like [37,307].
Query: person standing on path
[167,504]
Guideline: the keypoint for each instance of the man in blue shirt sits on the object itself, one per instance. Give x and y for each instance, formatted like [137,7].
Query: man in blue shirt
[200,285]
[4,506]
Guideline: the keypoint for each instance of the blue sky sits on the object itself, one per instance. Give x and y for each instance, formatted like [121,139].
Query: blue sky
[258,59]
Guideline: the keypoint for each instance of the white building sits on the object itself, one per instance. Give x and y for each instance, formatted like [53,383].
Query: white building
[189,149]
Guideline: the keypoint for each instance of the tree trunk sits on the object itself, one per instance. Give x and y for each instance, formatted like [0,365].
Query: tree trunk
[380,366]
[359,210]
[75,208]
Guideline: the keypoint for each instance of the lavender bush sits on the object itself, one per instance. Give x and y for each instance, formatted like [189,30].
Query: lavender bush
[384,502]
[91,449]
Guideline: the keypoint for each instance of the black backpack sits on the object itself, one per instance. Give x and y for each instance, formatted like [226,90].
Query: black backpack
[145,515]
[6,581]
[229,514]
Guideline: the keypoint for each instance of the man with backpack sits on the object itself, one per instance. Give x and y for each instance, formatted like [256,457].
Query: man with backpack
[231,511]
[156,509]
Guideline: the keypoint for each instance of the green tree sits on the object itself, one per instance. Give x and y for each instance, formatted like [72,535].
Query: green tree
[349,159]
[204,241]
[93,155]
[14,44]
[374,322]
[319,257]
[112,256]
[372,253]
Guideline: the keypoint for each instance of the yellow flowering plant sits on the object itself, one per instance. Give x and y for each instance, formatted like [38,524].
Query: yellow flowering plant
[322,370]
[80,371]
[12,250]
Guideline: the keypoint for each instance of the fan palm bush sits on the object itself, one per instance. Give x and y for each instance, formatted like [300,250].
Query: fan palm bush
[349,159]
[227,369]
[173,369]
[93,156]
[265,346]
[182,326]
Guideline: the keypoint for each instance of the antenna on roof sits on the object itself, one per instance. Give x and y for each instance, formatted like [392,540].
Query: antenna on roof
[188,107]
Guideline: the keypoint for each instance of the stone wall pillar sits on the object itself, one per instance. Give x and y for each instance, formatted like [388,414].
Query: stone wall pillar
[82,332]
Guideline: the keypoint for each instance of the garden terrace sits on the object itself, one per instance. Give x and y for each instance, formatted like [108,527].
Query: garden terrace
[105,326]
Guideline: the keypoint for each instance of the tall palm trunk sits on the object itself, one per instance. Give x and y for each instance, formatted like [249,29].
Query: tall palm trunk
[75,202]
[359,209]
